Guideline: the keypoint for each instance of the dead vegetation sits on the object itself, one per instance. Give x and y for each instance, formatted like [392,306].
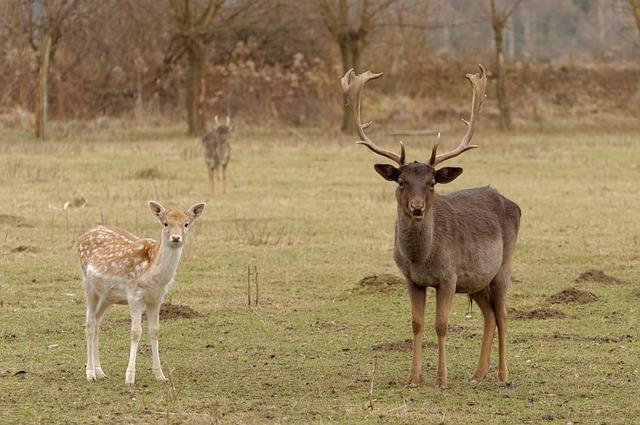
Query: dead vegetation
[257,234]
[599,276]
[151,173]
[572,296]
[14,221]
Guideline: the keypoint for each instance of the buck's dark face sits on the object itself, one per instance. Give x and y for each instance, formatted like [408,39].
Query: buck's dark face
[223,130]
[416,183]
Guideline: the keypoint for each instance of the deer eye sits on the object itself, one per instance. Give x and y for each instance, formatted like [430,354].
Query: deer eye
[186,224]
[401,184]
[166,224]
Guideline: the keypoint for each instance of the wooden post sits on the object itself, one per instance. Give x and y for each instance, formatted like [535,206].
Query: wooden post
[41,98]
[255,271]
[249,285]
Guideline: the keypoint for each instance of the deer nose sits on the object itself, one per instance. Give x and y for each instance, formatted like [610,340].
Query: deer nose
[416,205]
[176,238]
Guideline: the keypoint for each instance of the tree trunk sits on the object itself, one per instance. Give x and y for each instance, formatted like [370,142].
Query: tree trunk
[635,6]
[501,90]
[195,75]
[41,94]
[346,55]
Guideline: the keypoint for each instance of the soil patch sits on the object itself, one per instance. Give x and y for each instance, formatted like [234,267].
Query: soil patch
[25,248]
[572,296]
[636,293]
[177,311]
[381,282]
[150,173]
[578,338]
[535,313]
[406,345]
[14,220]
[598,276]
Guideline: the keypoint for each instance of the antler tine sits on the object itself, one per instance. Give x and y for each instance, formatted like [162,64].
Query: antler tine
[352,87]
[217,122]
[479,85]
[228,121]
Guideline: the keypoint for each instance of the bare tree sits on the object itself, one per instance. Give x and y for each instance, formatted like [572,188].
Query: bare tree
[43,24]
[194,32]
[498,23]
[635,7]
[350,23]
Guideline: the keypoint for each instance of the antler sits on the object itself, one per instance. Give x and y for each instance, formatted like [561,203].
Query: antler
[228,121]
[217,122]
[479,85]
[353,91]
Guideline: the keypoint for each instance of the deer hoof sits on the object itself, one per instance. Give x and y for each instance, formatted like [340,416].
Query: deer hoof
[100,374]
[159,375]
[130,378]
[502,375]
[441,386]
[91,375]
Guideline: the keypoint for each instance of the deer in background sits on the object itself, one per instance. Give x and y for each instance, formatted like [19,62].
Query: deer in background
[118,267]
[217,153]
[461,242]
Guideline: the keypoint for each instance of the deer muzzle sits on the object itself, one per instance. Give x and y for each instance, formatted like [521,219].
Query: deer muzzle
[416,208]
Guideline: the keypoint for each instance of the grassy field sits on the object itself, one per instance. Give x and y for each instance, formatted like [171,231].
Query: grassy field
[314,218]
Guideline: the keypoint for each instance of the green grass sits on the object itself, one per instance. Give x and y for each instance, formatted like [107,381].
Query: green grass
[307,354]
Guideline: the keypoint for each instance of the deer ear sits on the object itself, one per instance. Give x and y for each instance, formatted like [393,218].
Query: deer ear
[388,172]
[447,174]
[157,210]
[195,212]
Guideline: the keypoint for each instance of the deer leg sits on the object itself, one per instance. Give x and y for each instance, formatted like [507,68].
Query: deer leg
[135,308]
[224,178]
[211,181]
[90,332]
[153,319]
[417,294]
[499,287]
[444,299]
[484,302]
[101,308]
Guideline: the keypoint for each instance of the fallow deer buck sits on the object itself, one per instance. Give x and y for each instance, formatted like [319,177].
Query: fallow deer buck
[217,153]
[461,242]
[118,267]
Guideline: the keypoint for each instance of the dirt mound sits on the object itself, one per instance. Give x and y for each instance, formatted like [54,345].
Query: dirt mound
[14,220]
[406,345]
[177,311]
[382,282]
[598,276]
[150,174]
[535,313]
[636,293]
[572,296]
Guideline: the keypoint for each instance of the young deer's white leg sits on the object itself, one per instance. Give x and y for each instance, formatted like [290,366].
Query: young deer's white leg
[100,309]
[153,319]
[90,331]
[135,307]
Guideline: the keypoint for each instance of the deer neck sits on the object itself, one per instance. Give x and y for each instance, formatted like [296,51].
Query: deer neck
[414,239]
[164,265]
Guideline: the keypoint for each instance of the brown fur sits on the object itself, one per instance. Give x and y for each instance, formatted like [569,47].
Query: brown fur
[461,242]
[217,153]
